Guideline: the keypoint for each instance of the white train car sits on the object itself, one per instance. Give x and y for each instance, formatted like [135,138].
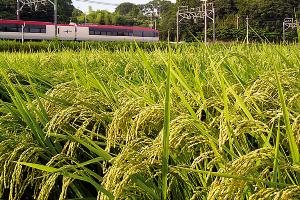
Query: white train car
[32,30]
[116,33]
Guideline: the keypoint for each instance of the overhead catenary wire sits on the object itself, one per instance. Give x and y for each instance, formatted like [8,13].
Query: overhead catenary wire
[99,2]
[205,11]
[30,3]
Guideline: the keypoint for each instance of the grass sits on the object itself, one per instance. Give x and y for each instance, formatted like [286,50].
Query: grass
[187,122]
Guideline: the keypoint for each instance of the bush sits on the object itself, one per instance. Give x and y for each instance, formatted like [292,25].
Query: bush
[55,45]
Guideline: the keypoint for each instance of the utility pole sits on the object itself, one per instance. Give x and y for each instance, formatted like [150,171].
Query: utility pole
[247,20]
[289,23]
[18,10]
[153,13]
[23,26]
[205,11]
[205,22]
[214,25]
[177,31]
[237,22]
[55,17]
[284,32]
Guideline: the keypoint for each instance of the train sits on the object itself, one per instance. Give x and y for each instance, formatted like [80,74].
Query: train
[34,30]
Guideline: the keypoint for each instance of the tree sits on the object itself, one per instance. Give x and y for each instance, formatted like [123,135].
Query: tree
[43,12]
[76,14]
[266,14]
[167,22]
[7,9]
[226,7]
[129,9]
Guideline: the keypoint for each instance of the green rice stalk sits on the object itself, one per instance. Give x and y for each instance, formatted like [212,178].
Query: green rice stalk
[65,173]
[166,135]
[226,175]
[290,135]
[276,167]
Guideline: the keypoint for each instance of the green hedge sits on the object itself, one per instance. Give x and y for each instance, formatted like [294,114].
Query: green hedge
[50,46]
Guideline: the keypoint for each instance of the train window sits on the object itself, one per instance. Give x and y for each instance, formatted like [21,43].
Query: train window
[91,31]
[138,33]
[97,32]
[12,28]
[18,28]
[149,34]
[121,33]
[26,29]
[35,30]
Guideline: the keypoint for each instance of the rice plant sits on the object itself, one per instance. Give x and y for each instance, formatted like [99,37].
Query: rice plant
[184,122]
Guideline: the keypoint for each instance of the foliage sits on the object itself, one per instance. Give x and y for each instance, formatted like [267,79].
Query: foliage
[43,12]
[91,123]
[266,18]
[7,9]
[128,9]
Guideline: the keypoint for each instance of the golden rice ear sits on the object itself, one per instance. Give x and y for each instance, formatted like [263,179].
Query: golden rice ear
[119,128]
[46,186]
[259,162]
[296,129]
[14,177]
[288,193]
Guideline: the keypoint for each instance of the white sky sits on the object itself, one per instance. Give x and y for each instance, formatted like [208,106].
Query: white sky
[84,5]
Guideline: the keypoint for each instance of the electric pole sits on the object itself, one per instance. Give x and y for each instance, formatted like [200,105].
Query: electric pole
[18,10]
[247,21]
[214,25]
[289,23]
[177,30]
[284,32]
[205,11]
[153,13]
[205,22]
[55,17]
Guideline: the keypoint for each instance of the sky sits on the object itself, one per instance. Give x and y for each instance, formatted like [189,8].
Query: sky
[84,5]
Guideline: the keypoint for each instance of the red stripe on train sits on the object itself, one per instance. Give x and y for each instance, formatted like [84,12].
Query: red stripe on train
[20,22]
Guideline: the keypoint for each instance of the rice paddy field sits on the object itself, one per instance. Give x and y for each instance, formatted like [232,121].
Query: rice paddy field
[179,123]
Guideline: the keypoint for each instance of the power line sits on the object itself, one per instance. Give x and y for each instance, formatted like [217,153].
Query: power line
[99,2]
[289,23]
[35,3]
[205,11]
